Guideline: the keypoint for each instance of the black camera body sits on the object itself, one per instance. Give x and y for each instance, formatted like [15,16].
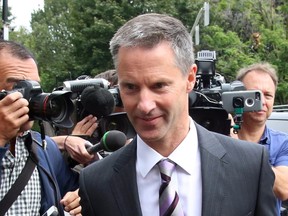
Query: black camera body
[27,88]
[93,96]
[117,121]
[116,95]
[212,98]
[78,86]
[55,107]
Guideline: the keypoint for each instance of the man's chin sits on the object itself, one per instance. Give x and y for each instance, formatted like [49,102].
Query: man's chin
[260,118]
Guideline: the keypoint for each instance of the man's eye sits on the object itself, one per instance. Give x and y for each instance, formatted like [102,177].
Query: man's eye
[268,96]
[159,85]
[130,86]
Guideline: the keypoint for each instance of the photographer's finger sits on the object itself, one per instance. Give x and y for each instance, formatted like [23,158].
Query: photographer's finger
[73,205]
[11,126]
[91,129]
[19,109]
[78,129]
[80,154]
[11,98]
[89,123]
[76,211]
[12,103]
[84,156]
[16,114]
[85,120]
[71,202]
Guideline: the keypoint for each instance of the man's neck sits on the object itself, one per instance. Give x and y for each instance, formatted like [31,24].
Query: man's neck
[252,134]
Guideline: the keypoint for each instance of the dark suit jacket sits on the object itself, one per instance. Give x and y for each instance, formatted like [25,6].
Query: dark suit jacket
[236,180]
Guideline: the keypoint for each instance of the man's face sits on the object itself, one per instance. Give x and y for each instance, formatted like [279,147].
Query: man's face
[13,70]
[259,80]
[155,92]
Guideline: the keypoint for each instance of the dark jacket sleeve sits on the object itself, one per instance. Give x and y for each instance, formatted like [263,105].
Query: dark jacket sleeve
[57,178]
[267,202]
[85,200]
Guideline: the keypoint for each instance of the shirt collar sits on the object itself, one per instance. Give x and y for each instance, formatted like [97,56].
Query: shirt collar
[24,134]
[264,138]
[184,155]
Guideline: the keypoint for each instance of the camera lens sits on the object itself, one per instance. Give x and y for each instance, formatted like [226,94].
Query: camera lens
[238,102]
[56,107]
[249,102]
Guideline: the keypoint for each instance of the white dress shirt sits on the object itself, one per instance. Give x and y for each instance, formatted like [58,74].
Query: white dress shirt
[186,179]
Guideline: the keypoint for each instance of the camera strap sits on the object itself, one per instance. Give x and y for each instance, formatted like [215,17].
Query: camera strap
[18,185]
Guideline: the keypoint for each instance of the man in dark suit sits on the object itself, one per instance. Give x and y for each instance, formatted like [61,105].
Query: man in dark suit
[213,174]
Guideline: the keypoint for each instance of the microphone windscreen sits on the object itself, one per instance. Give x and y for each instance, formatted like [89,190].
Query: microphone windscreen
[113,140]
[97,101]
[110,142]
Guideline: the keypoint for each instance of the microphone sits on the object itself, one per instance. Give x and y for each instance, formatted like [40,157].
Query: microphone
[110,142]
[77,86]
[97,101]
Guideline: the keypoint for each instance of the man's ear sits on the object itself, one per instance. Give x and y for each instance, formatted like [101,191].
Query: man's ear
[191,77]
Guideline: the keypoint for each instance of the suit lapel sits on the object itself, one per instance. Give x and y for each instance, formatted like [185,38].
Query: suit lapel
[214,171]
[213,168]
[124,184]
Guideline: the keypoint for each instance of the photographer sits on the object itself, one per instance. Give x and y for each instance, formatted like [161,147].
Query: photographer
[23,149]
[262,76]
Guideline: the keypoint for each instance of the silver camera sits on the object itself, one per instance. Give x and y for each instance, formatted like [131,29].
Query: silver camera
[246,101]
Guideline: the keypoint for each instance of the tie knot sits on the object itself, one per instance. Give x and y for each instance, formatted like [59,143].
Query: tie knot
[166,168]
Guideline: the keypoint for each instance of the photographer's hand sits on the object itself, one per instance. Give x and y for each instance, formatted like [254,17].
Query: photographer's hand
[76,147]
[86,126]
[13,114]
[71,202]
[232,134]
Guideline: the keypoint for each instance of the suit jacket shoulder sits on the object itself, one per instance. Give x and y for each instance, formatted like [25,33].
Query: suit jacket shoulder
[236,176]
[110,186]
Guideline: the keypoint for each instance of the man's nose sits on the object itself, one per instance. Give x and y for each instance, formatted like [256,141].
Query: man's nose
[146,101]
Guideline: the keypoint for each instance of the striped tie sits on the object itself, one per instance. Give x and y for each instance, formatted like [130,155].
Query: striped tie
[168,198]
